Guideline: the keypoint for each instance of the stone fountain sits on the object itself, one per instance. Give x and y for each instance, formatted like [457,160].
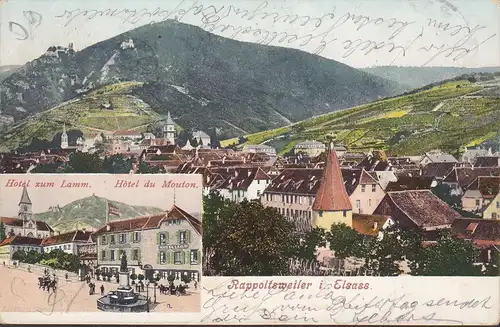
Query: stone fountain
[124,299]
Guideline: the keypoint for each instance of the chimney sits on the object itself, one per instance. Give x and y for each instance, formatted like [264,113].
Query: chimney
[490,153]
[84,229]
[375,225]
[249,172]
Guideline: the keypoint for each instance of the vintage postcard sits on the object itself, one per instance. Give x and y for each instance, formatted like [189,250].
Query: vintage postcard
[339,161]
[100,243]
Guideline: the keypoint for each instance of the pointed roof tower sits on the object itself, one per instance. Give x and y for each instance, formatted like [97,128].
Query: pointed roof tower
[169,119]
[331,195]
[25,198]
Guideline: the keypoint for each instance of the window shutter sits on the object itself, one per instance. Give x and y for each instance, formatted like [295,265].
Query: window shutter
[167,259]
[138,254]
[158,239]
[188,257]
[188,236]
[183,257]
[178,237]
[167,237]
[131,237]
[138,236]
[199,257]
[158,259]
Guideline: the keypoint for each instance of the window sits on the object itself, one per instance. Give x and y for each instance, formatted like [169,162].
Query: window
[321,213]
[345,213]
[112,241]
[369,202]
[183,237]
[103,255]
[374,187]
[358,204]
[258,193]
[135,254]
[112,255]
[478,202]
[363,188]
[494,215]
[122,238]
[103,239]
[163,257]
[163,238]
[267,196]
[25,207]
[177,258]
[136,237]
[498,204]
[194,257]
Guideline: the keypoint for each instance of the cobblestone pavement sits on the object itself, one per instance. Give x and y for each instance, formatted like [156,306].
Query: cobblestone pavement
[20,293]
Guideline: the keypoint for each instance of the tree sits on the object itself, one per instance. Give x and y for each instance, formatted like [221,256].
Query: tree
[171,278]
[19,255]
[397,245]
[345,241]
[449,257]
[81,162]
[246,239]
[443,191]
[309,244]
[3,235]
[117,164]
[145,168]
[33,257]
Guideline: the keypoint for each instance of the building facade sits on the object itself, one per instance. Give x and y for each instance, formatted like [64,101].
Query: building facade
[67,242]
[10,245]
[311,148]
[164,244]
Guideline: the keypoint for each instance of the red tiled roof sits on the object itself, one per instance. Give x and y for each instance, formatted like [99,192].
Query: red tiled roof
[178,213]
[488,186]
[332,195]
[74,236]
[480,231]
[464,176]
[40,225]
[148,222]
[368,224]
[21,240]
[417,208]
[406,183]
[487,161]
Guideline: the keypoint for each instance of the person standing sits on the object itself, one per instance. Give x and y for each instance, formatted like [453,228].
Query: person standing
[102,289]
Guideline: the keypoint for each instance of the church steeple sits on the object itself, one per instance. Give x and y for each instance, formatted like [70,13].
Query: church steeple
[25,206]
[64,138]
[169,129]
[332,203]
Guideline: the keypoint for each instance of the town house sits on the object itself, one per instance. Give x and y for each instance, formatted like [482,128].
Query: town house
[242,183]
[492,210]
[480,193]
[14,243]
[67,242]
[460,178]
[293,192]
[166,244]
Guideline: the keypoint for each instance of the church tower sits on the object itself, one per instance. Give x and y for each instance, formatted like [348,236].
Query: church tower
[332,204]
[169,129]
[25,207]
[64,138]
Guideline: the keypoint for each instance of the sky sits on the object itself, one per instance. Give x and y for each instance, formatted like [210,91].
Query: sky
[188,199]
[359,33]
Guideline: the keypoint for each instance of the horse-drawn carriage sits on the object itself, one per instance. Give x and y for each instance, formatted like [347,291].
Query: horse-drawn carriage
[173,290]
[46,283]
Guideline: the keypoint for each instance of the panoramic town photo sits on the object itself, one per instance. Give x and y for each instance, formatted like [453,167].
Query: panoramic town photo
[89,243]
[338,143]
